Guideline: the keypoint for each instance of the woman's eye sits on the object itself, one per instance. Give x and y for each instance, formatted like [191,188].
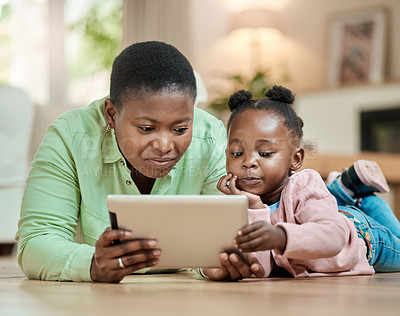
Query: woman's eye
[265,154]
[181,130]
[146,128]
[236,154]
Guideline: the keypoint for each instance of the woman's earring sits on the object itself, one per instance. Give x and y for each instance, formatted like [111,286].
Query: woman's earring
[108,128]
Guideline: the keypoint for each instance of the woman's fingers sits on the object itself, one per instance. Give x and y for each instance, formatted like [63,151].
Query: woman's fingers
[137,261]
[233,274]
[107,238]
[140,257]
[256,267]
[111,262]
[131,246]
[242,268]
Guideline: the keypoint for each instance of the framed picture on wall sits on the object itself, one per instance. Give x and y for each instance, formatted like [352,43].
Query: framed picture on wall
[357,47]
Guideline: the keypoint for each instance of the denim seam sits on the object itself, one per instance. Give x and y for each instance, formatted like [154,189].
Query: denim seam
[348,200]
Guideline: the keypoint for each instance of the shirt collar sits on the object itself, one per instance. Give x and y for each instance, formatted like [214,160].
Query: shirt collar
[109,148]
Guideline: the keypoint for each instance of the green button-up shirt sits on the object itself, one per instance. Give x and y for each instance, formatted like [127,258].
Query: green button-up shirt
[78,164]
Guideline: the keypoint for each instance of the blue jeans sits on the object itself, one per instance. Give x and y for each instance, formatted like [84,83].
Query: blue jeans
[378,219]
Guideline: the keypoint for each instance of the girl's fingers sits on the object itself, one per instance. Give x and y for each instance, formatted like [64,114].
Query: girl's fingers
[222,184]
[248,229]
[232,186]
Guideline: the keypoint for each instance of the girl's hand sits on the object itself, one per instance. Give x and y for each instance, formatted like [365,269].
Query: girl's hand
[234,268]
[231,189]
[135,255]
[261,236]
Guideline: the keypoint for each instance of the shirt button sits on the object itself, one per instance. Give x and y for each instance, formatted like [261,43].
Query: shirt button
[128,182]
[122,162]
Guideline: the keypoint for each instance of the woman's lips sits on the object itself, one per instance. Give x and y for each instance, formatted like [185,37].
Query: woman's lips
[161,163]
[250,180]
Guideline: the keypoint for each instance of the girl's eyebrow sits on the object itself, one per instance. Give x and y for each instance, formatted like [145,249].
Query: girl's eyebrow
[235,140]
[265,140]
[186,119]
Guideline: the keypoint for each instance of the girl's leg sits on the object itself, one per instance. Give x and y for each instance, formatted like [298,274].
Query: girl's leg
[384,253]
[361,174]
[363,178]
[380,211]
[341,195]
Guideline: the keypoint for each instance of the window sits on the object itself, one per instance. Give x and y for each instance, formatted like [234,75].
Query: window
[59,52]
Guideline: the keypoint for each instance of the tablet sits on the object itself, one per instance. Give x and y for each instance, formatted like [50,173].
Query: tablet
[191,230]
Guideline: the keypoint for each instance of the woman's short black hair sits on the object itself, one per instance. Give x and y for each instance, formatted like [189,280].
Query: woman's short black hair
[150,67]
[279,100]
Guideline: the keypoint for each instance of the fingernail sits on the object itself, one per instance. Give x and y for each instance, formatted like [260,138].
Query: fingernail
[126,233]
[239,233]
[156,252]
[151,243]
[234,259]
[256,268]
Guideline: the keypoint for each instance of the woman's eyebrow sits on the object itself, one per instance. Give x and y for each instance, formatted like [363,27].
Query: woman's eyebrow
[186,119]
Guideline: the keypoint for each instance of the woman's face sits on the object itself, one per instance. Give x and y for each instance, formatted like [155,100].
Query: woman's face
[153,130]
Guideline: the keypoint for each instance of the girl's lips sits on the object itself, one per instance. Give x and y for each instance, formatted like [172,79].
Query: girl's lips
[250,181]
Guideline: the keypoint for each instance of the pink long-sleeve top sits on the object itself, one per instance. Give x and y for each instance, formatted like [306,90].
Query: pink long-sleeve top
[320,240]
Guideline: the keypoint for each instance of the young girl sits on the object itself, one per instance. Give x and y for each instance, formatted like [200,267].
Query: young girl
[295,225]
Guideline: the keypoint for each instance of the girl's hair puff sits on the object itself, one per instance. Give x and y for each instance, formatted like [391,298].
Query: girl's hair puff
[279,100]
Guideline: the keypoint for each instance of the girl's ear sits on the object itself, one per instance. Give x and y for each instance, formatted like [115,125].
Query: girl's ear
[110,110]
[298,157]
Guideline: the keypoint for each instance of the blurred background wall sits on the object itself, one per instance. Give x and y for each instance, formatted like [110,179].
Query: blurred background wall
[60,52]
[339,57]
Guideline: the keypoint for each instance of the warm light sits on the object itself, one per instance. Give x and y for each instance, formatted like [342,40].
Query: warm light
[256,18]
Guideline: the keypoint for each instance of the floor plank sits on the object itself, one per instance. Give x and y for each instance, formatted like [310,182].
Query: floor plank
[183,294]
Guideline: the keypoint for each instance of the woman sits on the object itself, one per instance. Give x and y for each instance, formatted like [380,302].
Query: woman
[146,138]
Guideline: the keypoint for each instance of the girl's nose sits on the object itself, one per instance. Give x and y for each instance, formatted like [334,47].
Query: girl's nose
[250,162]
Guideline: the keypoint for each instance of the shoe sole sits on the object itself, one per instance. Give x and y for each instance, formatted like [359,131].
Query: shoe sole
[371,175]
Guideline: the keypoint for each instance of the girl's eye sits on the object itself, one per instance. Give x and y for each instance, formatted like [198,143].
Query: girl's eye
[181,130]
[146,128]
[265,154]
[236,154]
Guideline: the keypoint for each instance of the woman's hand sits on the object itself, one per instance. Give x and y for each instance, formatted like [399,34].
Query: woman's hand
[231,189]
[261,236]
[135,255]
[234,268]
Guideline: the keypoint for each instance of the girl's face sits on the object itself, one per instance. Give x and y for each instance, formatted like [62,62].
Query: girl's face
[153,131]
[261,153]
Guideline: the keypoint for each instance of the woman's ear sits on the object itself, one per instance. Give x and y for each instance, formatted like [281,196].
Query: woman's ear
[298,157]
[110,110]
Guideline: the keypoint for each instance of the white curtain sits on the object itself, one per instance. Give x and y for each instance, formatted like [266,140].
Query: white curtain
[162,20]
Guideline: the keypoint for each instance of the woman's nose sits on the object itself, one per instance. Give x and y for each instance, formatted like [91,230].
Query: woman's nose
[163,143]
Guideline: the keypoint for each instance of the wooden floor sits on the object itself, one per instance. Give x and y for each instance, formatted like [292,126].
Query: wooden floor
[183,294]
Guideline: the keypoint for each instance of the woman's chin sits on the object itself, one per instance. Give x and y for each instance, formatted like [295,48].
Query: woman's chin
[156,173]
